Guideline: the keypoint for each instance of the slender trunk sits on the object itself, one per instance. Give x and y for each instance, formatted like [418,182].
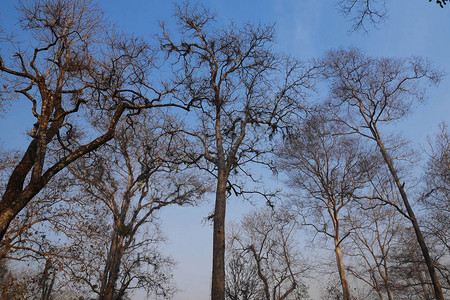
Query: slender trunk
[378,290]
[112,268]
[218,271]
[47,287]
[423,247]
[261,275]
[341,269]
[384,273]
[386,278]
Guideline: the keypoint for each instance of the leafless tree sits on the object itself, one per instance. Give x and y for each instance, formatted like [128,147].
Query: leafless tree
[377,230]
[329,168]
[437,196]
[34,282]
[125,183]
[367,92]
[409,269]
[263,248]
[129,179]
[372,12]
[436,201]
[75,70]
[239,90]
[29,241]
[242,280]
[27,234]
[362,12]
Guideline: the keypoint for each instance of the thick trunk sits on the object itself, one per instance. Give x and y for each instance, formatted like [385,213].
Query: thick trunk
[342,275]
[13,202]
[218,271]
[112,268]
[16,197]
[423,247]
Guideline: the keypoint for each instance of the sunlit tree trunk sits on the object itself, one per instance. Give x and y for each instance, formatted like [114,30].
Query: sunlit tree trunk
[340,264]
[412,217]
[218,270]
[112,266]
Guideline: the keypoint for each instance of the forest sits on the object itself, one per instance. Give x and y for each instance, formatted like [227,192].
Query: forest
[124,127]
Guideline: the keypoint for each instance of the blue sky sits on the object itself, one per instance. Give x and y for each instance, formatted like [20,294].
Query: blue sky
[305,29]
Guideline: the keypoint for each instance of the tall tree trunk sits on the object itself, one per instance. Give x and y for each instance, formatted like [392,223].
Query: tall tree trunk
[218,271]
[112,267]
[341,269]
[423,247]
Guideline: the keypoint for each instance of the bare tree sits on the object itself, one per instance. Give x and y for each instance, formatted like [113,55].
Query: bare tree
[25,282]
[437,196]
[74,66]
[329,168]
[373,12]
[367,92]
[31,240]
[409,269]
[242,282]
[264,248]
[377,229]
[362,12]
[235,85]
[128,181]
[27,235]
[436,201]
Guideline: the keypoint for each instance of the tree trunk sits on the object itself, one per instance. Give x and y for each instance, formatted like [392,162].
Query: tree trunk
[341,269]
[423,247]
[12,204]
[218,271]
[16,197]
[112,267]
[46,286]
[386,278]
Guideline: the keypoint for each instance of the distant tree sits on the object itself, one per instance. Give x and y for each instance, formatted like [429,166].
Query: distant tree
[408,267]
[362,12]
[377,228]
[368,92]
[328,168]
[33,283]
[242,280]
[436,201]
[373,12]
[437,194]
[74,65]
[239,91]
[264,261]
[332,289]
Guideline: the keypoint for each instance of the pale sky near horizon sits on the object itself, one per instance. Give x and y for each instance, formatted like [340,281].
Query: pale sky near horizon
[305,29]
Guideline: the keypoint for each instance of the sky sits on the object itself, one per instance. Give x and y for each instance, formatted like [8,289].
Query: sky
[305,29]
